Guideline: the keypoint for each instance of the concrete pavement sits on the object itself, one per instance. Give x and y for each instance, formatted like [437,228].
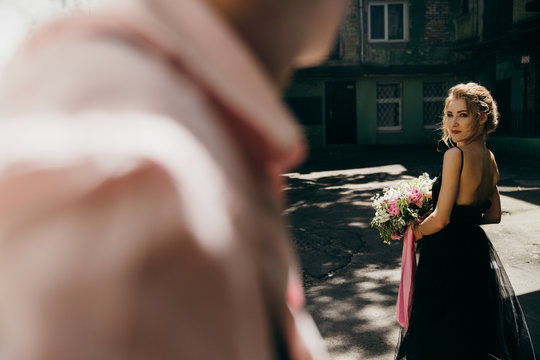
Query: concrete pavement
[352,277]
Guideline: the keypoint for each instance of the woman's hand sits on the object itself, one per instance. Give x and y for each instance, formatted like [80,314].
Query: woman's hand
[417,233]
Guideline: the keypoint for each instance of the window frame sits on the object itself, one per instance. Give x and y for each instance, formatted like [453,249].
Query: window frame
[399,101]
[405,21]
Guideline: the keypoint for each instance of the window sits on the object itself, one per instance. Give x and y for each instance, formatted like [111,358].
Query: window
[389,106]
[387,22]
[434,93]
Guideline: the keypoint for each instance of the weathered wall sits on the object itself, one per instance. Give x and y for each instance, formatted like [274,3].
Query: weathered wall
[520,14]
[349,36]
[315,134]
[412,132]
[428,42]
[428,37]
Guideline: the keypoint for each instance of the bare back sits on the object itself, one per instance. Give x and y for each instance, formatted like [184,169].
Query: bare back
[479,176]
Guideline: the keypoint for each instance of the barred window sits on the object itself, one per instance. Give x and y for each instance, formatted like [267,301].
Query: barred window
[389,106]
[434,93]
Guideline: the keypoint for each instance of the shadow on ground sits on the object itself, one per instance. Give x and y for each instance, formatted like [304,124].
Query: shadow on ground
[351,276]
[328,215]
[520,179]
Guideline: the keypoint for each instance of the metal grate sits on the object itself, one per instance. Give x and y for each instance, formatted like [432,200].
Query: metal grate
[434,93]
[389,106]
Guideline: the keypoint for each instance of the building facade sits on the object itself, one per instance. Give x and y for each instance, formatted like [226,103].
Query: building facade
[387,78]
[499,45]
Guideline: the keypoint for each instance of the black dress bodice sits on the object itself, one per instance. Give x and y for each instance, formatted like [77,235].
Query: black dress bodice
[464,214]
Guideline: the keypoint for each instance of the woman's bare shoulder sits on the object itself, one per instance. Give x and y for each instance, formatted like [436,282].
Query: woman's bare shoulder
[452,157]
[452,153]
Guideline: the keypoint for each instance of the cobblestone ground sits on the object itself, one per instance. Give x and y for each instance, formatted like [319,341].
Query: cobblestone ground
[352,277]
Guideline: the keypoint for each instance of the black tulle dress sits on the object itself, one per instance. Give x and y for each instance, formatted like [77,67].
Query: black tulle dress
[463,304]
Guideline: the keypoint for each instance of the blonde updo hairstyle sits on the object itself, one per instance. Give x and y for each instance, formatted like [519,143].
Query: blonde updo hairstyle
[479,102]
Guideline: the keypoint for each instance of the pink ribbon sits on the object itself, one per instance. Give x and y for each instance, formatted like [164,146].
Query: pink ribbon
[408,271]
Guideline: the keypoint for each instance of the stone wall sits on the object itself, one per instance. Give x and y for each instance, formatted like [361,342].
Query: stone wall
[350,36]
[428,40]
[437,29]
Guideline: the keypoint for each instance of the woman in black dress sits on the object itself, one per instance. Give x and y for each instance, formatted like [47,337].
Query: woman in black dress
[463,304]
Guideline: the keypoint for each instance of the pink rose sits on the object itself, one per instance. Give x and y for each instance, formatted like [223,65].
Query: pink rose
[415,196]
[393,207]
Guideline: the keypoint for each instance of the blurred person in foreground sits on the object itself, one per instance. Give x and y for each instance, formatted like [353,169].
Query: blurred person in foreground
[140,183]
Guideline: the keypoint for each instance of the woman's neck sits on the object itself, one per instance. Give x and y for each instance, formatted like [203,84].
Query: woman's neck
[478,140]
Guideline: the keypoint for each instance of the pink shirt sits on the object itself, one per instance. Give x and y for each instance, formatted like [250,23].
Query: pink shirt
[141,155]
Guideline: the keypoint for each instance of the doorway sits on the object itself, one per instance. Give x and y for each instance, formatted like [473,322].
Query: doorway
[340,101]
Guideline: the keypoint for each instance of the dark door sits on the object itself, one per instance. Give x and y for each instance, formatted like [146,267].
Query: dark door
[340,112]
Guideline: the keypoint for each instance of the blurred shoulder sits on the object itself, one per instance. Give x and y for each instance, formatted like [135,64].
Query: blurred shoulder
[75,73]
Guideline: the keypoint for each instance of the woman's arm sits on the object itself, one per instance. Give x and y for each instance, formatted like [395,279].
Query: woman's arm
[440,217]
[493,214]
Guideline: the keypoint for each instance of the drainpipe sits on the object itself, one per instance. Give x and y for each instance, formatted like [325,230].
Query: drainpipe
[362,33]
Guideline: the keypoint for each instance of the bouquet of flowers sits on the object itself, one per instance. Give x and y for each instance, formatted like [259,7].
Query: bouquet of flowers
[401,205]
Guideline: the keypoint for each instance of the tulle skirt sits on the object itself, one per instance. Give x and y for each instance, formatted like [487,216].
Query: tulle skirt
[463,304]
